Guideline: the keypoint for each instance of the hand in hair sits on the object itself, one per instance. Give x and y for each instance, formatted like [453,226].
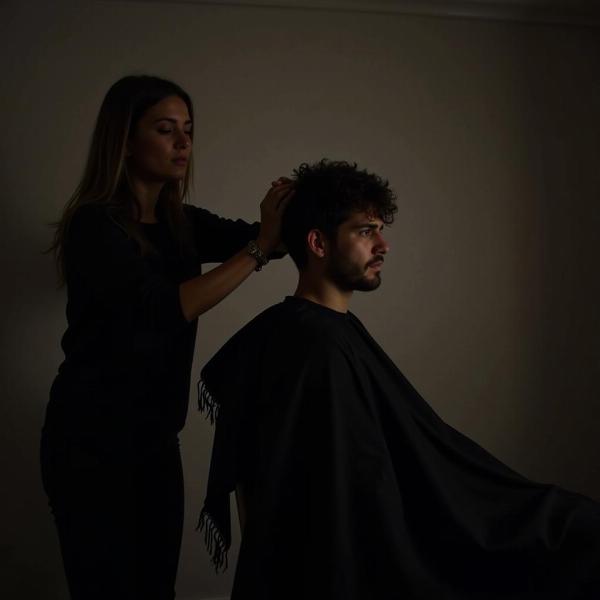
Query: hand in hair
[271,209]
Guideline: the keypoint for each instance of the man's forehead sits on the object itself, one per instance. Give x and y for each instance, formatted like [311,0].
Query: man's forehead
[363,217]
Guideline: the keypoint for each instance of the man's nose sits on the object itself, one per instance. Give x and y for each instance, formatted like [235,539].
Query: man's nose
[381,246]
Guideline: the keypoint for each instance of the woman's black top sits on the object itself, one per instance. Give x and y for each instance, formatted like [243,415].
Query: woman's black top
[128,347]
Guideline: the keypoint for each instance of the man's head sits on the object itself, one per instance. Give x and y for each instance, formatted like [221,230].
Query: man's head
[334,220]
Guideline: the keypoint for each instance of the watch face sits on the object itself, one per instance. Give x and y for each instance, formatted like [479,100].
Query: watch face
[254,252]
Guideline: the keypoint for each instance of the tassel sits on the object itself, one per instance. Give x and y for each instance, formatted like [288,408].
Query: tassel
[206,403]
[215,544]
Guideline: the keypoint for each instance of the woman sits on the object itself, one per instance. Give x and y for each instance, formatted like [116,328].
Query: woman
[130,253]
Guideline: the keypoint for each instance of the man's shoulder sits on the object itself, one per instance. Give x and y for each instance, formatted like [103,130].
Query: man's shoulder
[294,321]
[288,339]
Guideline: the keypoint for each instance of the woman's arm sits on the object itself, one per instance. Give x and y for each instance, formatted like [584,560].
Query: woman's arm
[201,293]
[103,263]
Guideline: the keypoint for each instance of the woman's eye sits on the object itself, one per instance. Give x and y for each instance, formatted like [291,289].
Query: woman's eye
[165,131]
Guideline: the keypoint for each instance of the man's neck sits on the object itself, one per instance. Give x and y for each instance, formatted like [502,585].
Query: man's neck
[324,292]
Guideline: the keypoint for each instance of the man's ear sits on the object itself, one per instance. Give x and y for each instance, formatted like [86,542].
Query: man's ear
[317,243]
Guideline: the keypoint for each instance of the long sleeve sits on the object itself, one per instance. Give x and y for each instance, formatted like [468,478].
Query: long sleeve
[217,238]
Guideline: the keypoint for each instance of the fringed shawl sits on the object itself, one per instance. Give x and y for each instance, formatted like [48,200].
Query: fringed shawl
[360,491]
[225,396]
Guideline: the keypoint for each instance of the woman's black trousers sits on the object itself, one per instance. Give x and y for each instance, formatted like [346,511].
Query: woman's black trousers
[118,506]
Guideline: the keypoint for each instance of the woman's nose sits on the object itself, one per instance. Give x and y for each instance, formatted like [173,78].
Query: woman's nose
[183,140]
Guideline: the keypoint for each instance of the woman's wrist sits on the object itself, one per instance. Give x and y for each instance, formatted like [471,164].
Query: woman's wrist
[265,246]
[256,252]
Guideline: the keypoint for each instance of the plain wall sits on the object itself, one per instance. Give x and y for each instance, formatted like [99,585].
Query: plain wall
[488,131]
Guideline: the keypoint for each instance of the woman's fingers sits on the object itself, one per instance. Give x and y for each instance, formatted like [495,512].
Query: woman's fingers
[275,194]
[281,181]
[271,211]
[284,199]
[281,187]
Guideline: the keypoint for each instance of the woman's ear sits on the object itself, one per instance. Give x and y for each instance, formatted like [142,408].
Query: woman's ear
[317,243]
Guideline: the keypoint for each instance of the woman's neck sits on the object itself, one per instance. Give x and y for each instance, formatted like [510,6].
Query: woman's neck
[147,194]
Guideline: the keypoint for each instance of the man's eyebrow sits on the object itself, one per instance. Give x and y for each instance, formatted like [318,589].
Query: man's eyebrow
[172,120]
[368,225]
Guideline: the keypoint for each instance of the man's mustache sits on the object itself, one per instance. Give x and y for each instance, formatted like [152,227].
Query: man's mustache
[378,258]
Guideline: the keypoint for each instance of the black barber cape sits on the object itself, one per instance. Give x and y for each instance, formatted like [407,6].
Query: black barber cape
[357,490]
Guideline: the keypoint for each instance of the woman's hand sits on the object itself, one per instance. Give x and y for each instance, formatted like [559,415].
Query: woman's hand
[271,209]
[201,293]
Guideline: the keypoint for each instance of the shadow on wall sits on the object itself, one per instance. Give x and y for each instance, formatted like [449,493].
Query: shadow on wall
[31,306]
[559,274]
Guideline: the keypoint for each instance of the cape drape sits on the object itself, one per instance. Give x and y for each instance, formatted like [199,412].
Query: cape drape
[357,490]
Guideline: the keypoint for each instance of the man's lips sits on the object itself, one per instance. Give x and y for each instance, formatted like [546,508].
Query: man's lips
[182,160]
[375,264]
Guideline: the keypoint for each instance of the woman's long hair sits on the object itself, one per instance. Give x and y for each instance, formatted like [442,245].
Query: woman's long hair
[105,179]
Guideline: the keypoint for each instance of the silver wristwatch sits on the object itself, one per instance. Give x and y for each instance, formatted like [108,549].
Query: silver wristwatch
[257,254]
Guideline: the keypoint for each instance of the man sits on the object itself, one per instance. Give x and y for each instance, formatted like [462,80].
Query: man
[354,488]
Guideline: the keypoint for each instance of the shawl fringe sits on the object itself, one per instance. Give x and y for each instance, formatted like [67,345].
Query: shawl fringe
[213,538]
[207,403]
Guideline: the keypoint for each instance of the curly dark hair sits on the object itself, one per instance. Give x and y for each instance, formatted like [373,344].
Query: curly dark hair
[326,194]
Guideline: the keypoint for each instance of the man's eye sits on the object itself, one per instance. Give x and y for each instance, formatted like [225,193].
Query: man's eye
[365,232]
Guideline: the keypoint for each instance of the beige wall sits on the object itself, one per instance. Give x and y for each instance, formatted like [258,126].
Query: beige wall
[489,132]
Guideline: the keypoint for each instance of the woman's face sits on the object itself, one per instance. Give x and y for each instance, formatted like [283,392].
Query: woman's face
[159,148]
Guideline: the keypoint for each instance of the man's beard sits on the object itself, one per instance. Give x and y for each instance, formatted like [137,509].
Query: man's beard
[350,276]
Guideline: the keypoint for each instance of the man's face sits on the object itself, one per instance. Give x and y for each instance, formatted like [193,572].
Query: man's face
[356,254]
